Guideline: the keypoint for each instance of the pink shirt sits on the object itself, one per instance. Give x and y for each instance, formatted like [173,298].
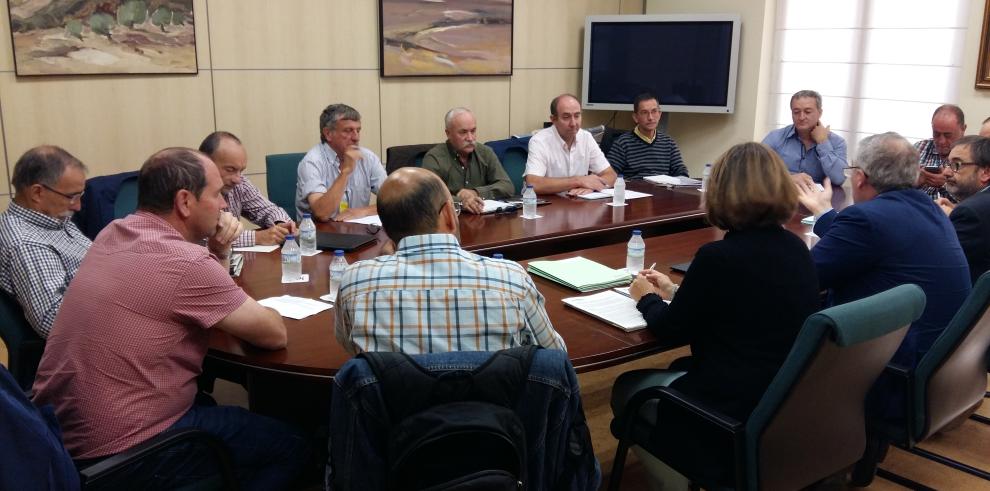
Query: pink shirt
[121,362]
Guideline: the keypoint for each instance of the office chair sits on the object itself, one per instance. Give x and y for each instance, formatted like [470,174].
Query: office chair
[127,196]
[810,422]
[514,163]
[948,383]
[24,346]
[405,156]
[282,170]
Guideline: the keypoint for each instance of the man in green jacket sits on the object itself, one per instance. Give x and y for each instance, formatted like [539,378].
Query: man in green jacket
[471,171]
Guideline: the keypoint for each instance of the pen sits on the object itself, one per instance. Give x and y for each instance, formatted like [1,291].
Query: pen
[652,265]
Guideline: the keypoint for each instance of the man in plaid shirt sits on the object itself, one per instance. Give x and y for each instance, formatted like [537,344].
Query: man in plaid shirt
[243,198]
[40,247]
[432,296]
[948,125]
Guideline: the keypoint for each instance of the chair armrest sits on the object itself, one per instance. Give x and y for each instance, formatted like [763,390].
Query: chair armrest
[702,411]
[168,439]
[903,377]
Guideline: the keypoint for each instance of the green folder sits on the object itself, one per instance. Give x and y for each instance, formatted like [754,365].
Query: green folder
[583,275]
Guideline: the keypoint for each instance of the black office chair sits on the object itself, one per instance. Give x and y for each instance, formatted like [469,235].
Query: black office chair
[405,156]
[810,422]
[24,346]
[948,384]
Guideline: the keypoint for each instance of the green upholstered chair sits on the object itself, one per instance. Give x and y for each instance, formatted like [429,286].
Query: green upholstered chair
[810,423]
[127,196]
[282,170]
[948,383]
[24,346]
[514,163]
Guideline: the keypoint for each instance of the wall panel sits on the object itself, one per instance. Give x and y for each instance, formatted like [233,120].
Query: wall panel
[550,33]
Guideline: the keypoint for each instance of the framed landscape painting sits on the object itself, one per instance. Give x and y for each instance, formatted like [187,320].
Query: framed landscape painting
[90,37]
[445,37]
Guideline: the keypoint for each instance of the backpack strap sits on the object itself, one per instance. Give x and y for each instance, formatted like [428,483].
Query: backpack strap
[406,386]
[502,378]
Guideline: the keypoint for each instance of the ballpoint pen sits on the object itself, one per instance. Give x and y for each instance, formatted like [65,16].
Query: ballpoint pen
[652,265]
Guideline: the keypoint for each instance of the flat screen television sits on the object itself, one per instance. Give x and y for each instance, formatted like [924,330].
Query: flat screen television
[687,60]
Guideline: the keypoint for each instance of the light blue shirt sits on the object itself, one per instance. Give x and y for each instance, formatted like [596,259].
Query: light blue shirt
[320,167]
[827,159]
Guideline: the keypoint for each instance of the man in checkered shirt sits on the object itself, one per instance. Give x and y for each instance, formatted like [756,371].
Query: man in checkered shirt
[40,247]
[432,296]
[948,125]
[243,198]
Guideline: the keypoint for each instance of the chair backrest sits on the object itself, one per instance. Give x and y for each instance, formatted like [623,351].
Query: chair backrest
[282,169]
[98,206]
[127,196]
[24,346]
[811,422]
[514,163]
[951,377]
[405,155]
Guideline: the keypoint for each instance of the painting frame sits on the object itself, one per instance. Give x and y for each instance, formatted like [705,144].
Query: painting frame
[983,62]
[449,65]
[137,48]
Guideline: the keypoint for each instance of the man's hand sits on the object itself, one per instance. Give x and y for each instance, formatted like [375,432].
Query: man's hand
[578,191]
[274,235]
[801,177]
[592,182]
[820,133]
[933,179]
[817,202]
[349,160]
[471,201]
[228,228]
[946,205]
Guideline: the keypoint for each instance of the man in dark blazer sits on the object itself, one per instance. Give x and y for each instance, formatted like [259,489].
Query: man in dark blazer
[967,180]
[893,234]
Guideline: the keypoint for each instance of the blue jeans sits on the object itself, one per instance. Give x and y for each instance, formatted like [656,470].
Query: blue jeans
[266,454]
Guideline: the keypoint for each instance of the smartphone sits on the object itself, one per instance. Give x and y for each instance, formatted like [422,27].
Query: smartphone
[935,169]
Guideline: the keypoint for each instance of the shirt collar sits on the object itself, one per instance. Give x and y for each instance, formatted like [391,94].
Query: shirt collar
[791,132]
[37,218]
[453,153]
[643,137]
[416,243]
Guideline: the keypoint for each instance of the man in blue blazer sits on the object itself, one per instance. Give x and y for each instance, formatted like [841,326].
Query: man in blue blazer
[893,234]
[967,180]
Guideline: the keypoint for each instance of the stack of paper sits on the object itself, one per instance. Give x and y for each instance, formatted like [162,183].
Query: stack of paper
[612,307]
[294,307]
[583,275]
[607,193]
[665,180]
[368,220]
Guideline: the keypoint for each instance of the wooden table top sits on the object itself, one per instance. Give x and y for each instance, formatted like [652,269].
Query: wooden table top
[312,349]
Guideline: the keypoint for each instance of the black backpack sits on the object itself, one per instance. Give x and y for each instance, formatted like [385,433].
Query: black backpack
[454,430]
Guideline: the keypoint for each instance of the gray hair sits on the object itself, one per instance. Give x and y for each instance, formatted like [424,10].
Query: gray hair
[801,94]
[42,165]
[334,113]
[889,160]
[448,119]
[952,109]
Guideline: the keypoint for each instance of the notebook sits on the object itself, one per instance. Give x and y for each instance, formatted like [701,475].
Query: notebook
[612,307]
[681,267]
[583,275]
[329,241]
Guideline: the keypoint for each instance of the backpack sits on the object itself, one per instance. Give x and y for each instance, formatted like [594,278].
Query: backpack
[454,430]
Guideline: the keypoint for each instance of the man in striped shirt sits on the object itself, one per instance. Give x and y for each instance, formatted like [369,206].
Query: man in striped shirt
[432,296]
[644,151]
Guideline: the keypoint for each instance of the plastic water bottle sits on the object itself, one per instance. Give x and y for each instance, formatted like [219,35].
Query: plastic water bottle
[619,191]
[307,234]
[635,253]
[497,255]
[337,267]
[529,202]
[704,177]
[291,259]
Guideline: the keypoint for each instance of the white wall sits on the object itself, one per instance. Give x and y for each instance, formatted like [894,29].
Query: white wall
[974,102]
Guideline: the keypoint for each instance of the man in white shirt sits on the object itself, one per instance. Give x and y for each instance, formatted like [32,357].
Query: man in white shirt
[561,156]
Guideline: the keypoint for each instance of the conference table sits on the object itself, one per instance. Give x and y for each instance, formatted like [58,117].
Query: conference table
[671,220]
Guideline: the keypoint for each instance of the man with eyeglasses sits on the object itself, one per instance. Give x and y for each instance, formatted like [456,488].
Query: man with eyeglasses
[948,125]
[886,239]
[810,150]
[645,151]
[967,180]
[432,296]
[40,247]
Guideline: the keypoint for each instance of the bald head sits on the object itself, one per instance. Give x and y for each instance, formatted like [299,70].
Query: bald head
[410,202]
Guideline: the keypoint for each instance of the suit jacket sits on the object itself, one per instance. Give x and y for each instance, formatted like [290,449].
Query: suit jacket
[898,237]
[971,218]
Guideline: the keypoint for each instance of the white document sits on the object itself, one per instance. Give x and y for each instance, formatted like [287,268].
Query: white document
[611,307]
[368,220]
[665,180]
[607,193]
[294,307]
[256,248]
[491,205]
[303,278]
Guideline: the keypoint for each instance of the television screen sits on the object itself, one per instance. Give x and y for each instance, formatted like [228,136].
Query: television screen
[688,61]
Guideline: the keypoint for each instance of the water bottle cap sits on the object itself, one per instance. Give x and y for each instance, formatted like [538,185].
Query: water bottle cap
[290,237]
[637,232]
[338,252]
[708,165]
[307,215]
[620,176]
[497,255]
[529,186]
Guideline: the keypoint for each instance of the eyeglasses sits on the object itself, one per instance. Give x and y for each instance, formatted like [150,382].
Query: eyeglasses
[956,165]
[73,198]
[849,170]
